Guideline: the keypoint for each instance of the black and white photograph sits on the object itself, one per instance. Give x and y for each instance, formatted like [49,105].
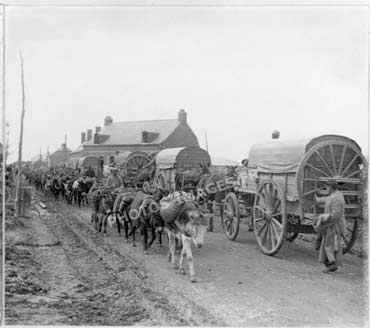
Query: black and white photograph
[184,163]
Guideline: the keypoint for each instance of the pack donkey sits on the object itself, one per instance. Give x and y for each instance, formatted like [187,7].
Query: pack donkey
[183,221]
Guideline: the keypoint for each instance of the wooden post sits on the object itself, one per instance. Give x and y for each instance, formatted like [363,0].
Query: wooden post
[17,197]
[2,45]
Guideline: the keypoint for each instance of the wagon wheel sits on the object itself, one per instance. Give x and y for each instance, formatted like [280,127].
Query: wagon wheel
[344,162]
[136,162]
[349,237]
[231,216]
[329,160]
[269,217]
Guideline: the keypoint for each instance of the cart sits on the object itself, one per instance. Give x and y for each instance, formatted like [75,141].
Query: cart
[275,194]
[172,162]
[89,161]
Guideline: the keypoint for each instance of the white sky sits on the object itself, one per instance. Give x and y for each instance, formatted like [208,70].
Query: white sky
[239,72]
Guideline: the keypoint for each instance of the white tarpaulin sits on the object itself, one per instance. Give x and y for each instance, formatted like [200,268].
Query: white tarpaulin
[277,155]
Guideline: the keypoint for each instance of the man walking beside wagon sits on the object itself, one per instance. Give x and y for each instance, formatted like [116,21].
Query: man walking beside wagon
[331,226]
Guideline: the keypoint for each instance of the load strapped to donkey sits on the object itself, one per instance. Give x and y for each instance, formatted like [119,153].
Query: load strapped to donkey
[179,169]
[276,192]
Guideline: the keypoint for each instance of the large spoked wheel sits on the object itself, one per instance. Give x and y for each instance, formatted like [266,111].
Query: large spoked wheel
[231,216]
[342,161]
[349,237]
[269,217]
[136,162]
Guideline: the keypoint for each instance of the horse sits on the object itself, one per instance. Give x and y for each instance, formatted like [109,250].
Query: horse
[190,177]
[212,189]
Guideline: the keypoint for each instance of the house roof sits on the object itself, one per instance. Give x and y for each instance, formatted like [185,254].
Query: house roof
[79,148]
[130,133]
[60,150]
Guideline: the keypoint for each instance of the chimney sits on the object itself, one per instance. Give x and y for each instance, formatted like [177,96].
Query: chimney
[89,134]
[108,120]
[182,116]
[96,138]
[83,137]
[97,129]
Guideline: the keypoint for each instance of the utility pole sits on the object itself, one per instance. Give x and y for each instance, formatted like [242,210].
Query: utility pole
[17,196]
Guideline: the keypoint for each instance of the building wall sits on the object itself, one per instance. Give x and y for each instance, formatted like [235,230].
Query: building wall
[182,136]
[108,151]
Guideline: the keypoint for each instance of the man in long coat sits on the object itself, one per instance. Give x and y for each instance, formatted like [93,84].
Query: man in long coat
[331,227]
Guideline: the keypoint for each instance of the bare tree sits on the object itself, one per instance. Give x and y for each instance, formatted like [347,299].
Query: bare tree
[17,197]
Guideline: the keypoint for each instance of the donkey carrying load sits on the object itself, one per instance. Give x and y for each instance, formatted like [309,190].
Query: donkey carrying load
[185,222]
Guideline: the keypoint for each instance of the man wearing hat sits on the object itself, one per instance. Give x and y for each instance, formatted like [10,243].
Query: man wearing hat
[113,180]
[331,226]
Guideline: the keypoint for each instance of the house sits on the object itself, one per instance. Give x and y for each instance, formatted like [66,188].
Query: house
[146,136]
[60,156]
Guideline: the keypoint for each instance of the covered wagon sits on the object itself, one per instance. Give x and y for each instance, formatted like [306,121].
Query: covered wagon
[180,168]
[276,192]
[89,161]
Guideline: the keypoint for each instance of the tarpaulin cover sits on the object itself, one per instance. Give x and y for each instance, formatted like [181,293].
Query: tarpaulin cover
[278,156]
[166,158]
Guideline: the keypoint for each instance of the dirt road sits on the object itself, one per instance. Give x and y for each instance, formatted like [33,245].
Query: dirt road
[91,279]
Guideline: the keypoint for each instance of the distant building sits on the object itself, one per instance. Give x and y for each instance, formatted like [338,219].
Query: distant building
[60,156]
[146,136]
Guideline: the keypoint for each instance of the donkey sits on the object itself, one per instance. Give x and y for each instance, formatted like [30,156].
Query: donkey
[189,226]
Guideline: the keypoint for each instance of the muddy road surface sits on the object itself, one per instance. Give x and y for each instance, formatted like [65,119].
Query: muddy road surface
[60,271]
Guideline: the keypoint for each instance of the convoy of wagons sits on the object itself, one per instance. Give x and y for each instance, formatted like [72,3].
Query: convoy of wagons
[275,192]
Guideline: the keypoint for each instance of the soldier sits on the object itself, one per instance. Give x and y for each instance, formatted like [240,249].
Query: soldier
[331,226]
[113,181]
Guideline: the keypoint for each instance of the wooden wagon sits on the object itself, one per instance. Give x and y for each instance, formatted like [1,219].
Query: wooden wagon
[89,161]
[276,192]
[171,162]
